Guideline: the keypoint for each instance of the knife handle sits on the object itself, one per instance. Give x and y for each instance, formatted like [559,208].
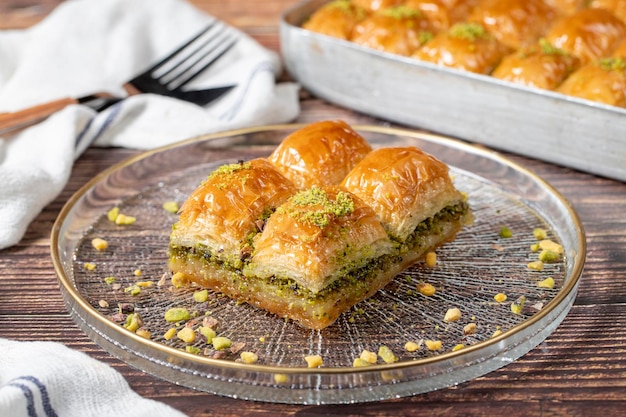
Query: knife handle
[27,117]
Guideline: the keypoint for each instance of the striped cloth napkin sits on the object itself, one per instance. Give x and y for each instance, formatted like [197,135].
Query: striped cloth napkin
[47,379]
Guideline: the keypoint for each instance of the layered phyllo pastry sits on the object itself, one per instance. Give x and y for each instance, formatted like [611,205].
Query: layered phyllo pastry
[515,23]
[336,19]
[602,81]
[566,7]
[589,34]
[320,153]
[399,30]
[437,12]
[541,65]
[617,7]
[309,254]
[538,43]
[375,5]
[465,46]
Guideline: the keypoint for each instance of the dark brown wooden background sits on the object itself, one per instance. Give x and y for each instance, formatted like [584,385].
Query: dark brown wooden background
[580,370]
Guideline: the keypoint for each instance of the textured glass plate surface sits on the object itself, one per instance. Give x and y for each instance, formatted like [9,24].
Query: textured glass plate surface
[469,272]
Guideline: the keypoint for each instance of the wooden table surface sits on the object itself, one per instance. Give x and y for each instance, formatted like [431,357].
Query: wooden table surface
[580,370]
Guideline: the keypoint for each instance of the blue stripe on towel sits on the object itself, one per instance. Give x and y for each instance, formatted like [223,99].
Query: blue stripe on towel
[30,398]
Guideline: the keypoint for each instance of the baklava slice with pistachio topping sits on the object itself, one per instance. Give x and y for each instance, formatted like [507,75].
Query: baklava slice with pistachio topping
[414,198]
[320,253]
[213,235]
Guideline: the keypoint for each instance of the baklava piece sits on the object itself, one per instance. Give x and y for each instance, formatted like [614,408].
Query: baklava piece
[321,252]
[437,13]
[541,66]
[216,223]
[465,46]
[603,81]
[312,254]
[515,23]
[412,194]
[617,7]
[320,153]
[375,5]
[589,34]
[566,7]
[398,30]
[336,19]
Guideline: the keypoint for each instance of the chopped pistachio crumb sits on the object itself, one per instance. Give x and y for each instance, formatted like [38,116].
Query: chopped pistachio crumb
[433,344]
[110,280]
[534,247]
[281,378]
[179,279]
[518,305]
[431,259]
[453,314]
[550,245]
[170,333]
[194,350]
[536,265]
[99,244]
[177,314]
[470,328]
[506,232]
[411,346]
[89,266]
[187,335]
[133,322]
[113,213]
[144,284]
[387,355]
[171,206]
[314,361]
[249,357]
[221,343]
[145,333]
[369,356]
[123,219]
[209,333]
[426,289]
[548,256]
[359,363]
[546,283]
[500,297]
[133,290]
[539,233]
[201,296]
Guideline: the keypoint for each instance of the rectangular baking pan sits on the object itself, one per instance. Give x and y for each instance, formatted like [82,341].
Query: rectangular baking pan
[549,126]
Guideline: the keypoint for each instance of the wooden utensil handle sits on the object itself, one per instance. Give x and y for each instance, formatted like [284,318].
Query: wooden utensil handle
[27,117]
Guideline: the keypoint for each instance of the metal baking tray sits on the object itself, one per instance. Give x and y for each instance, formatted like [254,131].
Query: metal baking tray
[545,125]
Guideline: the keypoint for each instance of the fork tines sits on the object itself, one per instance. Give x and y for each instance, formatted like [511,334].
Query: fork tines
[191,59]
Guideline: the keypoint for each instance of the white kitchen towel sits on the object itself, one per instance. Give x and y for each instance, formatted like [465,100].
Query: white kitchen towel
[48,379]
[87,46]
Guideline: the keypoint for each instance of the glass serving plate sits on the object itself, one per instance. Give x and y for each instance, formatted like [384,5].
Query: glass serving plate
[470,271]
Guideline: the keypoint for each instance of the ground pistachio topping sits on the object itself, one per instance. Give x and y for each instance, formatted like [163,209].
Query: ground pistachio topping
[612,64]
[314,206]
[469,31]
[401,12]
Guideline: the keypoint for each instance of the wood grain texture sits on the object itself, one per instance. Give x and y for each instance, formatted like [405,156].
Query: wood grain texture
[580,370]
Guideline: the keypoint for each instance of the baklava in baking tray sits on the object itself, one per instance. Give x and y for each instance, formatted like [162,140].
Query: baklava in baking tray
[546,124]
